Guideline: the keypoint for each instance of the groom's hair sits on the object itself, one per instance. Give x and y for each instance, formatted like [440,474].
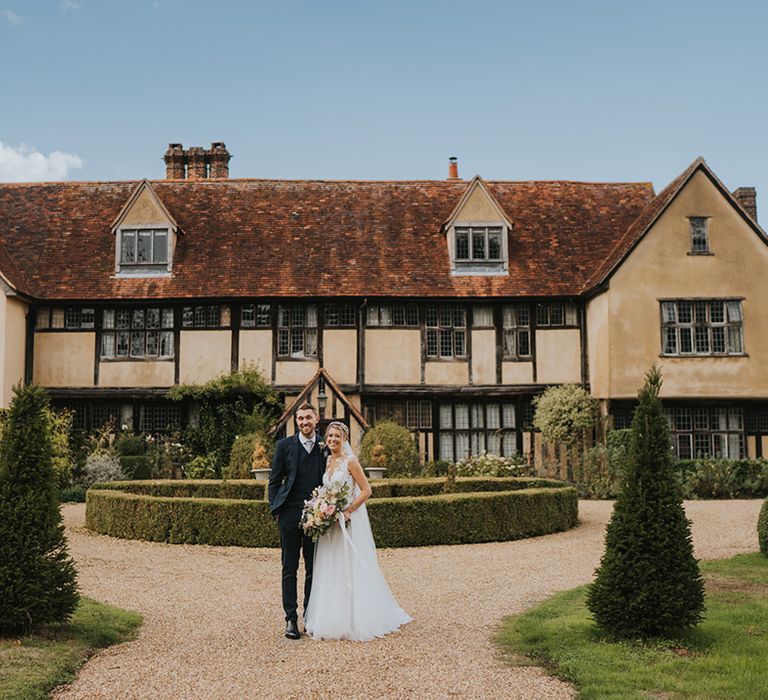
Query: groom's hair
[306,406]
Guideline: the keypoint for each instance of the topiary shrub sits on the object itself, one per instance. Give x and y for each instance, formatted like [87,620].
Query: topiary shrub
[391,446]
[648,583]
[762,528]
[250,451]
[37,576]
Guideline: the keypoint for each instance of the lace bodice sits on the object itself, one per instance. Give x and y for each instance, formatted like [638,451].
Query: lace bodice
[340,474]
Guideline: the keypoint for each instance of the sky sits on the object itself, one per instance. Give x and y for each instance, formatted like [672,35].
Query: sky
[612,90]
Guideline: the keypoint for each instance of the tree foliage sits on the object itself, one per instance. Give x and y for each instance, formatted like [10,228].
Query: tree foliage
[391,446]
[648,583]
[37,576]
[228,406]
[563,413]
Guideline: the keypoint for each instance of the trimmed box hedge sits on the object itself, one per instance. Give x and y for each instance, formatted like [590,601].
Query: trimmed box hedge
[404,512]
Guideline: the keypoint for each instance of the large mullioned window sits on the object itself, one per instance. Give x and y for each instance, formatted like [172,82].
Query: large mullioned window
[702,327]
[137,333]
[446,332]
[297,331]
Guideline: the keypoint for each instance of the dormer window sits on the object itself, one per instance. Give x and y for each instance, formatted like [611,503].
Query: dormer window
[478,244]
[144,247]
[145,235]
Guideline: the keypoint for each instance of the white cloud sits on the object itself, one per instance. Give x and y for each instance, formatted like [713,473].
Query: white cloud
[26,164]
[69,5]
[12,18]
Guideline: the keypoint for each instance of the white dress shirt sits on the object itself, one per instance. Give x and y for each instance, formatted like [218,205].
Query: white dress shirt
[309,443]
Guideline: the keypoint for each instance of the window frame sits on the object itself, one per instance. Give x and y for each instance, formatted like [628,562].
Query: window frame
[305,329]
[484,265]
[136,266]
[516,329]
[163,330]
[705,250]
[440,329]
[688,333]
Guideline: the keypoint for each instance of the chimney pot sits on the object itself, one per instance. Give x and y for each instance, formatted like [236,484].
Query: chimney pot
[747,197]
[453,168]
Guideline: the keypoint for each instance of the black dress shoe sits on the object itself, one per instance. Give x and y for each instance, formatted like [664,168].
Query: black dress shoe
[292,630]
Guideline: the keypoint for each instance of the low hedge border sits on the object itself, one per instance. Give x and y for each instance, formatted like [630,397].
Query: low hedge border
[507,509]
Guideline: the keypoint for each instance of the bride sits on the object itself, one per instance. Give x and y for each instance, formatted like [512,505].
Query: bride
[350,598]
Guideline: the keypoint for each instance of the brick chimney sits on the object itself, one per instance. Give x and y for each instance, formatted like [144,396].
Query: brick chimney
[747,197]
[453,168]
[219,160]
[175,162]
[196,163]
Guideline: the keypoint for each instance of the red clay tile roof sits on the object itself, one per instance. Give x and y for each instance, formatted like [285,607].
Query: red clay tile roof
[11,273]
[264,238]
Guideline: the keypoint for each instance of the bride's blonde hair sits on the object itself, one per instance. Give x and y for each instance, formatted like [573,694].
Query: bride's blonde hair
[340,426]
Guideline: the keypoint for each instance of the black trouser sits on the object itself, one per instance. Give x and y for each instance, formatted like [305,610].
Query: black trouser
[292,542]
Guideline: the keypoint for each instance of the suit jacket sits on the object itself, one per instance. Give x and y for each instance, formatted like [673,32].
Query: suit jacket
[285,464]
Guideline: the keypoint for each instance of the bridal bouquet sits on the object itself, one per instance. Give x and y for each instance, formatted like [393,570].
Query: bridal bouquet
[323,509]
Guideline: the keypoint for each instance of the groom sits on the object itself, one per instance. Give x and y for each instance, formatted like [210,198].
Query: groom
[297,468]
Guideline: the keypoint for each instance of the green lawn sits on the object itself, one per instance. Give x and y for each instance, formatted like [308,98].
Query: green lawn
[725,657]
[31,666]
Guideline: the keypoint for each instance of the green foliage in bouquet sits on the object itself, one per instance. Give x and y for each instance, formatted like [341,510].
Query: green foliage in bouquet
[391,446]
[648,583]
[563,413]
[762,528]
[37,576]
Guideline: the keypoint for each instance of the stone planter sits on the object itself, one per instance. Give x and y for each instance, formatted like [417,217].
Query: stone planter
[260,474]
[376,472]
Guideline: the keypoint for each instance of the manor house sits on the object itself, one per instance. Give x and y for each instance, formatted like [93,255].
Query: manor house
[445,305]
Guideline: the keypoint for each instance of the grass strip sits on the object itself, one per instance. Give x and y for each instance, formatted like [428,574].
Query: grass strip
[724,657]
[32,665]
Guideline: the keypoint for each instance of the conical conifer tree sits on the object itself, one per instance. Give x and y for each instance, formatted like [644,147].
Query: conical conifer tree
[37,576]
[648,583]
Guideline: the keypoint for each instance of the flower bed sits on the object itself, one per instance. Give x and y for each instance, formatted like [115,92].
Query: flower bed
[403,512]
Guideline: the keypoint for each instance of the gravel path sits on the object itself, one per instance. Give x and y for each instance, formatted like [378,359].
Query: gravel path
[213,624]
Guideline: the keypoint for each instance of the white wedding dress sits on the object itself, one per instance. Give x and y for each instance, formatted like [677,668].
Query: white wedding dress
[350,598]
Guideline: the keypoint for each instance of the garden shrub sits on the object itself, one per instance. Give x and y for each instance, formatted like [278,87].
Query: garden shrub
[234,512]
[73,494]
[602,467]
[102,466]
[250,451]
[486,464]
[762,528]
[391,446]
[230,405]
[648,583]
[563,413]
[201,467]
[37,575]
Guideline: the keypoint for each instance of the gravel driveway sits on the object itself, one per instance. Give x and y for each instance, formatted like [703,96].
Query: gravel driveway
[213,623]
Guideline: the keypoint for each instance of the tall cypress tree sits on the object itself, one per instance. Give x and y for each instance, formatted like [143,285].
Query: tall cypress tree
[37,576]
[648,583]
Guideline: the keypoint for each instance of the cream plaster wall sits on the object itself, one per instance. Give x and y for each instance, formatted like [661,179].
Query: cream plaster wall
[136,373]
[517,372]
[660,267]
[598,345]
[144,211]
[295,373]
[446,373]
[340,355]
[558,356]
[255,348]
[392,356]
[484,357]
[14,342]
[64,359]
[204,355]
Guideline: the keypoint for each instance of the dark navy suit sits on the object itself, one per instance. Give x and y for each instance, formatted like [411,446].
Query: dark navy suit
[294,474]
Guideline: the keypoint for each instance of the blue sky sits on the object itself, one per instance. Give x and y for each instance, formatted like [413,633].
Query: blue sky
[603,91]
